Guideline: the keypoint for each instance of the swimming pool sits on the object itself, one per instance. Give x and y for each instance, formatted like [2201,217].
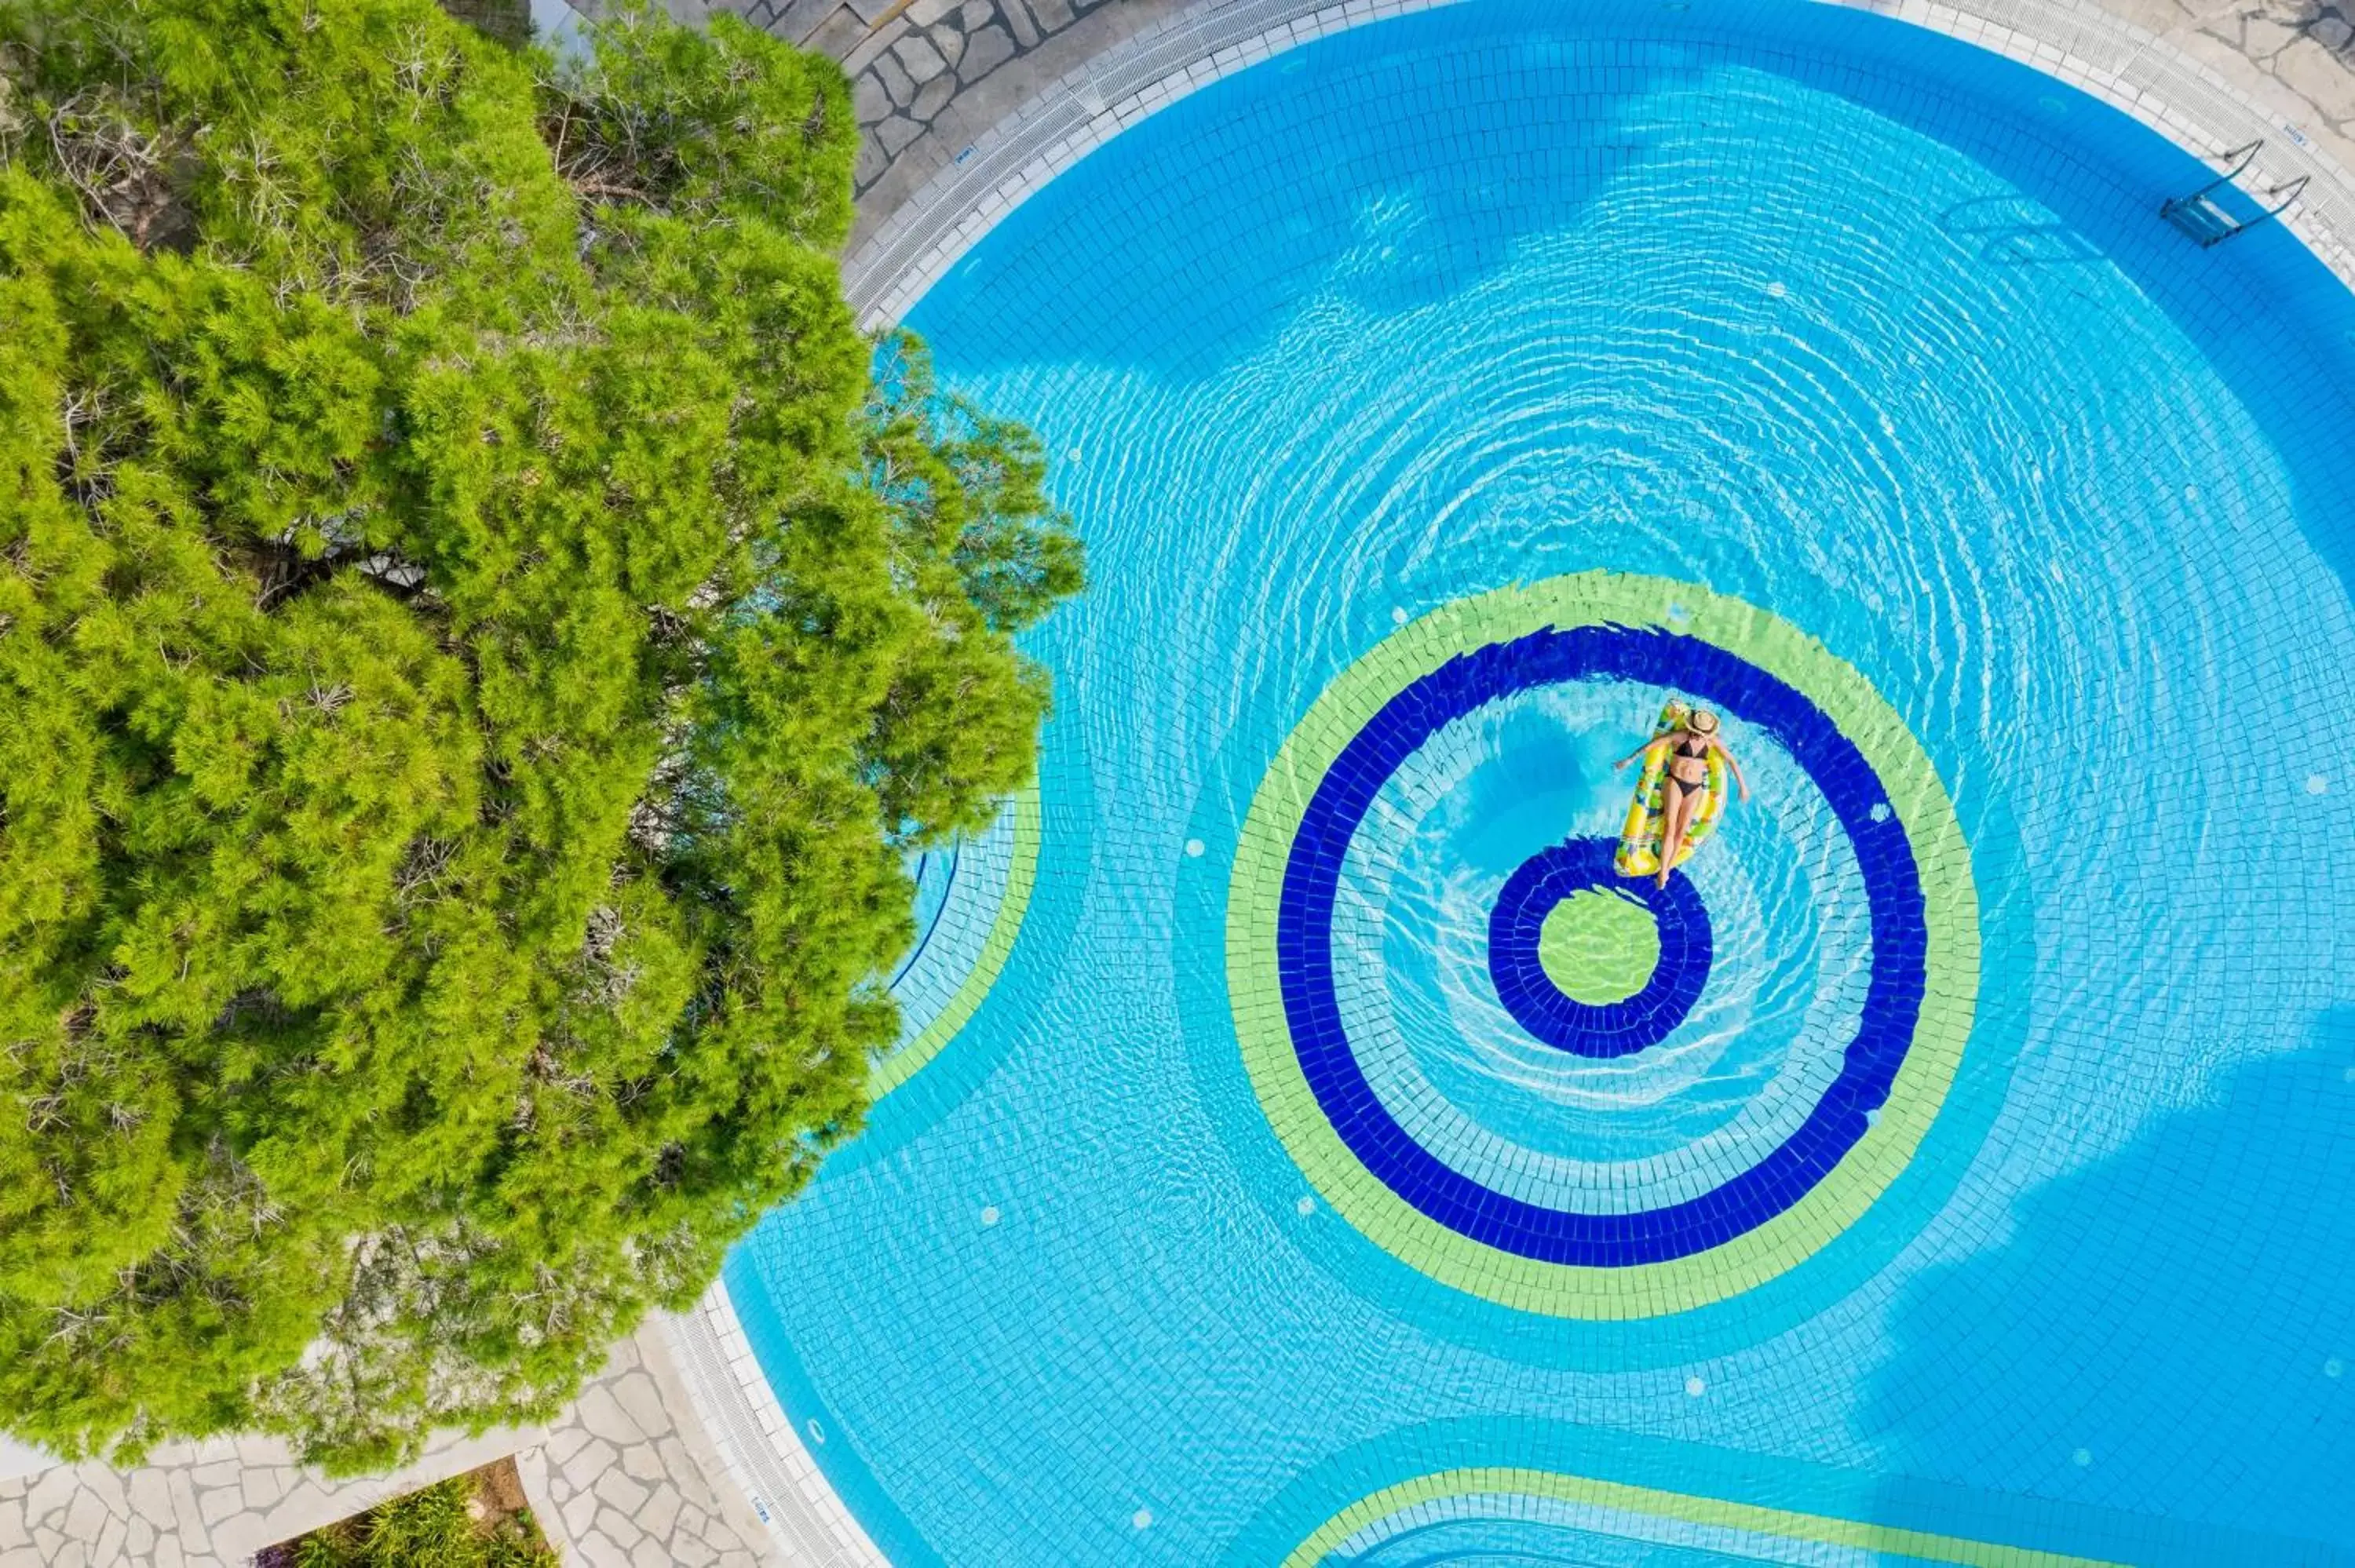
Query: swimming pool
[1954,1166]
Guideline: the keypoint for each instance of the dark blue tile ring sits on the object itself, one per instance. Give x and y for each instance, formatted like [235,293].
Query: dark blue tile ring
[1586,1029]
[1655,657]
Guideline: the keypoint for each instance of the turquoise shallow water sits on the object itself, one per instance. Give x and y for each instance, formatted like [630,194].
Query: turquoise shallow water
[1842,321]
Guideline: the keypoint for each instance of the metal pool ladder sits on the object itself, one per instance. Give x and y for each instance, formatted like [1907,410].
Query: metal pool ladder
[2202,216]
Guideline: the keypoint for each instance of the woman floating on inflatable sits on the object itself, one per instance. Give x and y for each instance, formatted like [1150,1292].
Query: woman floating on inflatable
[1680,795]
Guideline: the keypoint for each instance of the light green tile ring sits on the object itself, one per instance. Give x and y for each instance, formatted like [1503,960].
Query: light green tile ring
[1784,1532]
[895,1068]
[1915,793]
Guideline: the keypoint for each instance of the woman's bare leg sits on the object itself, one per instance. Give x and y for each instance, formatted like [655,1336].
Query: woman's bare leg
[1674,819]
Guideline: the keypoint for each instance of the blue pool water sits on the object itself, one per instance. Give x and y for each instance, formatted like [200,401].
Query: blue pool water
[1984,1169]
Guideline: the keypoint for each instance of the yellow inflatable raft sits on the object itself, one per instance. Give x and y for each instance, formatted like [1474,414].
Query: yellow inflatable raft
[1639,839]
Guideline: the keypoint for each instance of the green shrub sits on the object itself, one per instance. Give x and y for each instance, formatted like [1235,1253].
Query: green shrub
[478,636]
[427,1529]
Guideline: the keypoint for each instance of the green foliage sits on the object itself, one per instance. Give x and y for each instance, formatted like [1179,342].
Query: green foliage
[479,628]
[429,1529]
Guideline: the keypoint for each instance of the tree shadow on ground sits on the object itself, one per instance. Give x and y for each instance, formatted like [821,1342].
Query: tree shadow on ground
[2168,1334]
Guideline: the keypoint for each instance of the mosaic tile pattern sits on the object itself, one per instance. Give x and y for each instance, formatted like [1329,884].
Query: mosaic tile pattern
[1542,1002]
[1912,1024]
[969,915]
[1557,1512]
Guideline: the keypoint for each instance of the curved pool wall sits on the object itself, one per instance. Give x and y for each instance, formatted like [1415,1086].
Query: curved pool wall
[1858,327]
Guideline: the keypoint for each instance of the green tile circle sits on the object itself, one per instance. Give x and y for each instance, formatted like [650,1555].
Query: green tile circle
[1598,947]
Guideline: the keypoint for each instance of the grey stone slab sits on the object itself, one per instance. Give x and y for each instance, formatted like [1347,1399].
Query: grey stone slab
[837,35]
[1018,17]
[873,161]
[650,1554]
[642,1463]
[2263,37]
[618,1525]
[258,1453]
[168,1553]
[245,1532]
[263,1487]
[661,1511]
[924,13]
[51,1546]
[2317,75]
[107,1484]
[869,99]
[599,1552]
[636,1392]
[921,58]
[577,1515]
[151,1497]
[52,1491]
[603,1414]
[564,1442]
[14,1530]
[306,1507]
[23,1557]
[141,1540]
[897,132]
[680,1465]
[622,1493]
[221,1473]
[863,53]
[617,1528]
[897,87]
[219,1503]
[84,1515]
[931,98]
[796,20]
[108,1546]
[975,14]
[183,1511]
[592,1462]
[985,51]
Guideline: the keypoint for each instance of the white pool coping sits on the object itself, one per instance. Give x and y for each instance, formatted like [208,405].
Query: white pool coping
[2116,60]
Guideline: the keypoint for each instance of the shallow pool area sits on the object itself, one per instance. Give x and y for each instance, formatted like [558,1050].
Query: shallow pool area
[1303,1149]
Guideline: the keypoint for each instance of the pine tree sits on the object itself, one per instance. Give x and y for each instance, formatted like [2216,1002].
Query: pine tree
[479,630]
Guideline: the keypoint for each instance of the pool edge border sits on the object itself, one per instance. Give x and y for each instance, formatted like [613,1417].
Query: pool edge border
[2147,78]
[808,1521]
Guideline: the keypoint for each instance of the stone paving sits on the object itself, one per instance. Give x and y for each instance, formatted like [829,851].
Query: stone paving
[2293,57]
[624,1478]
[929,77]
[201,1504]
[627,1480]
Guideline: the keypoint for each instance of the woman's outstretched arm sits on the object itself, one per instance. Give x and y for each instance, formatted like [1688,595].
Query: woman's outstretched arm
[1727,752]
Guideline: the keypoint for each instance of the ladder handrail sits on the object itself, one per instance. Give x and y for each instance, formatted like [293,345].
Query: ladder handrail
[2213,224]
[2244,155]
